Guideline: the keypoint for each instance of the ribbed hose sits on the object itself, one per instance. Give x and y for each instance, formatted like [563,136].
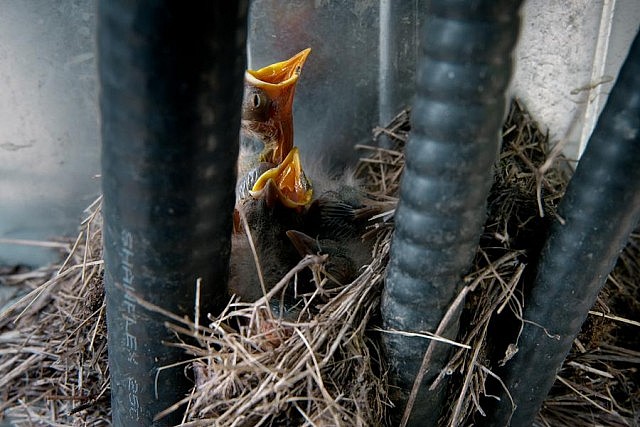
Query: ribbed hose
[463,75]
[171,86]
[600,208]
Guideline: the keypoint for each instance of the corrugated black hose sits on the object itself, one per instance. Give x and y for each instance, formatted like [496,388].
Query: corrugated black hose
[600,209]
[463,74]
[171,86]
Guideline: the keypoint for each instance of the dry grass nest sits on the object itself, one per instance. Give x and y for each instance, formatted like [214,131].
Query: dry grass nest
[253,368]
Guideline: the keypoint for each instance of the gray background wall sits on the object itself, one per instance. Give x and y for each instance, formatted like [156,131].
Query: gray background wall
[49,151]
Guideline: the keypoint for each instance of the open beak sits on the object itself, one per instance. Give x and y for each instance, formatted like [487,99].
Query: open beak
[285,182]
[267,107]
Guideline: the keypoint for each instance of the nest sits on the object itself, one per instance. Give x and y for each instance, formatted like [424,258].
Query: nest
[252,367]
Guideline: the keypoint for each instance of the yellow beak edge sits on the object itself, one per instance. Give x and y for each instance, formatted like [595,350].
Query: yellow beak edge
[293,188]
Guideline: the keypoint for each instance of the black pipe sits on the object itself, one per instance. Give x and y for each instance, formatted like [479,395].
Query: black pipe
[463,74]
[600,209]
[171,86]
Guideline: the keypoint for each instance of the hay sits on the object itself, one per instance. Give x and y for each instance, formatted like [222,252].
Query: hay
[53,366]
[319,369]
[324,367]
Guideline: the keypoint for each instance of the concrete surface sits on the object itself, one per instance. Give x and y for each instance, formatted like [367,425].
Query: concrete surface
[568,56]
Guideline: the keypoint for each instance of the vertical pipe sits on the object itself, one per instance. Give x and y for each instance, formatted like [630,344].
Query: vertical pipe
[463,74]
[600,209]
[171,88]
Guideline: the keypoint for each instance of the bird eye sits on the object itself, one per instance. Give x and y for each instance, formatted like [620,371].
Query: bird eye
[298,70]
[256,100]
[255,105]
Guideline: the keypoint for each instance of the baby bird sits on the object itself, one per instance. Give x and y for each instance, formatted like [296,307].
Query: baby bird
[269,204]
[288,223]
[267,112]
[334,225]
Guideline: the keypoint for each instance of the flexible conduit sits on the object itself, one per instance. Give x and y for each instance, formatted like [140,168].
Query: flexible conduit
[600,209]
[171,87]
[463,75]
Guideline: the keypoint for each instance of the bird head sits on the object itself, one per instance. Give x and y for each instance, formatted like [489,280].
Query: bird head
[267,106]
[285,183]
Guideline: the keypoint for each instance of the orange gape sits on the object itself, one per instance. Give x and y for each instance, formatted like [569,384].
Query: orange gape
[289,182]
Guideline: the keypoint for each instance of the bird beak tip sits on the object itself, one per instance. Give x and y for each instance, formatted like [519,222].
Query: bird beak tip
[279,75]
[304,244]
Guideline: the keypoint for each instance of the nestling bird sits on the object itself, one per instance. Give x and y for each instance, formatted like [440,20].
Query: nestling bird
[335,222]
[270,203]
[267,112]
[287,223]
